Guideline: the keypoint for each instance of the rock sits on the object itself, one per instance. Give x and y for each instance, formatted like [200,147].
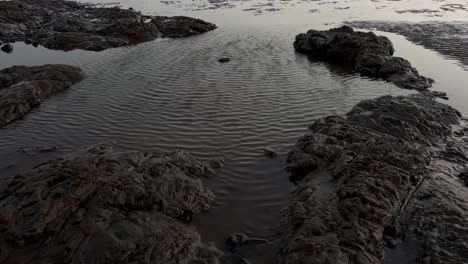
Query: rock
[69,25]
[366,167]
[366,53]
[180,26]
[270,153]
[236,240]
[23,88]
[7,48]
[99,205]
[440,224]
[390,242]
[216,163]
[223,60]
[436,94]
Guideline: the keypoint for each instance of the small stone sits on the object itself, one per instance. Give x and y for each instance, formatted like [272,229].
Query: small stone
[7,48]
[236,240]
[223,60]
[390,242]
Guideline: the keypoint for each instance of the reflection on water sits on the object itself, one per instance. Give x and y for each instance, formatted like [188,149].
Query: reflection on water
[173,94]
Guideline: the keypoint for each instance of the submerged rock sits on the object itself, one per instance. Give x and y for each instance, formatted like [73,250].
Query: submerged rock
[68,25]
[99,205]
[23,88]
[355,175]
[366,53]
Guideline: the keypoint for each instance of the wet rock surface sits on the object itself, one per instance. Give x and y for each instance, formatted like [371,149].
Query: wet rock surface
[356,175]
[447,38]
[22,88]
[67,25]
[364,52]
[99,205]
[435,222]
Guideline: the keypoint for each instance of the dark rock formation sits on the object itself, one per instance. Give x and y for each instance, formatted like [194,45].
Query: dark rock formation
[366,53]
[355,176]
[23,88]
[68,25]
[102,206]
[435,222]
[7,48]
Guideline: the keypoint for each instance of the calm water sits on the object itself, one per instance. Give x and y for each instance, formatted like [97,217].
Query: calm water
[173,94]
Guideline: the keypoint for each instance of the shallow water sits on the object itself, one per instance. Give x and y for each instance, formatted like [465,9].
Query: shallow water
[173,94]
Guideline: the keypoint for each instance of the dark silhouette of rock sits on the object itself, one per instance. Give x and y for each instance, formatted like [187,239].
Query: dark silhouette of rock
[223,60]
[68,25]
[355,175]
[7,48]
[99,205]
[23,88]
[366,53]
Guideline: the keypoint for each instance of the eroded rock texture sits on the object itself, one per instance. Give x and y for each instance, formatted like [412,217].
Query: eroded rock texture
[67,25]
[355,175]
[366,53]
[23,88]
[435,222]
[103,206]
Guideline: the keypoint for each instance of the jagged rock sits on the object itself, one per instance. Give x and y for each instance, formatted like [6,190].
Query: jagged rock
[23,88]
[68,25]
[366,53]
[7,48]
[99,205]
[355,175]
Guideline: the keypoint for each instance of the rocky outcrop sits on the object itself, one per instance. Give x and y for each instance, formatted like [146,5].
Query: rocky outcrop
[23,88]
[99,205]
[68,25]
[355,177]
[364,52]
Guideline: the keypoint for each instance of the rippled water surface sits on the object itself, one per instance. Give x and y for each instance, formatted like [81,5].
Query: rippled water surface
[173,94]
